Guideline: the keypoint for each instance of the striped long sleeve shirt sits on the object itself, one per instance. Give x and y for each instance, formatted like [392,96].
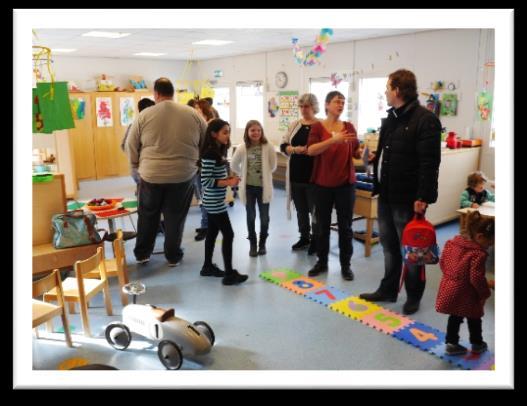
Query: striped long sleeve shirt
[213,195]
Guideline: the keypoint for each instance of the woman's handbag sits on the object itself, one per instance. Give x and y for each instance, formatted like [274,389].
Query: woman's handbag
[74,229]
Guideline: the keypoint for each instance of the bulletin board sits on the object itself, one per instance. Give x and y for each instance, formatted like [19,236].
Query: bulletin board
[288,108]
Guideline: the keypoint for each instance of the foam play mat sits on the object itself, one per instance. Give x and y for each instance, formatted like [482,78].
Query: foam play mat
[414,333]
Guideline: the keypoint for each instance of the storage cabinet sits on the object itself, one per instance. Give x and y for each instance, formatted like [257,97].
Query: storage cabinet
[97,150]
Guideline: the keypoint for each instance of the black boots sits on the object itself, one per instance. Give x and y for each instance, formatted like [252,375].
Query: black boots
[318,269]
[233,277]
[300,244]
[347,273]
[253,251]
[261,245]
[378,296]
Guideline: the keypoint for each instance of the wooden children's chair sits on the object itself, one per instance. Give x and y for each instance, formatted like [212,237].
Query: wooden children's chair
[116,266]
[45,312]
[82,289]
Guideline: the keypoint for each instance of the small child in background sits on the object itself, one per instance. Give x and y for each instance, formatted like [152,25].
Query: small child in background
[476,194]
[464,289]
[255,161]
[214,179]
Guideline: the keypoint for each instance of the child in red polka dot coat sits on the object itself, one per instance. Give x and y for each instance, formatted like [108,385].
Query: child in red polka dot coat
[464,289]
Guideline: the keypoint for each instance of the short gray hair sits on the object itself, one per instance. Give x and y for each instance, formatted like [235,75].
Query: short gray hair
[311,99]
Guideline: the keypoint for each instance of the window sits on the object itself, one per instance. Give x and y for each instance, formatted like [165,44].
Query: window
[249,103]
[320,87]
[222,97]
[372,103]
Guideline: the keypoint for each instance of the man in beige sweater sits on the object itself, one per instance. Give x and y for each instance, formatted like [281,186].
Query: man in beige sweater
[163,145]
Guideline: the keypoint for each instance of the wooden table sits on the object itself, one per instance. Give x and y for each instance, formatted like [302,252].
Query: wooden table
[366,206]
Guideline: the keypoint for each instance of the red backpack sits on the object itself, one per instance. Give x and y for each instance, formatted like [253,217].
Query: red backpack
[419,246]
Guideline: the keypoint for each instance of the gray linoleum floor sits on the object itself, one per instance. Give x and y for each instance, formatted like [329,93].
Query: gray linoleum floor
[258,325]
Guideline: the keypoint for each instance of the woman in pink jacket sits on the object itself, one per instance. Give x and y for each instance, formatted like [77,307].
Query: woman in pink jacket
[464,288]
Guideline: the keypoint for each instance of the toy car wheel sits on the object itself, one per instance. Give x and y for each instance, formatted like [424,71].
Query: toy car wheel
[205,329]
[118,335]
[169,354]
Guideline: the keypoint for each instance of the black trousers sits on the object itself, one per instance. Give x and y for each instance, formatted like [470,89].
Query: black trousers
[171,199]
[219,222]
[452,330]
[343,198]
[303,196]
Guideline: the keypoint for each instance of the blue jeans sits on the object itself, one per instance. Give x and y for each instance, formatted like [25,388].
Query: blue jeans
[254,195]
[198,192]
[392,220]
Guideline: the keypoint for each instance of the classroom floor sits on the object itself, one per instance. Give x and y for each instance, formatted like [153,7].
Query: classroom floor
[258,325]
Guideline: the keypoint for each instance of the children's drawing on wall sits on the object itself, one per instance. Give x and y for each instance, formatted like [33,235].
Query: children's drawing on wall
[272,107]
[433,104]
[449,104]
[78,108]
[126,105]
[288,108]
[484,105]
[103,106]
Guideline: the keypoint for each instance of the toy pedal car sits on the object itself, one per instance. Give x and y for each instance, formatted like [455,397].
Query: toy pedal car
[176,337]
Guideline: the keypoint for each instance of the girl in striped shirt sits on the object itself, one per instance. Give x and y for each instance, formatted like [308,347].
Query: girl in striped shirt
[215,179]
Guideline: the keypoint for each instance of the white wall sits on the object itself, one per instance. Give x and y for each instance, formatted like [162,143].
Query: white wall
[446,55]
[85,71]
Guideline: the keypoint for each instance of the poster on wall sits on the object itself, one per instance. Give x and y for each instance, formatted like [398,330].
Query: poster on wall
[484,102]
[272,107]
[449,104]
[103,107]
[126,107]
[288,108]
[78,108]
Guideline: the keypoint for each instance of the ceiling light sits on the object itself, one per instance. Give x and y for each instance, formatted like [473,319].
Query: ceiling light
[212,42]
[105,34]
[150,54]
[63,50]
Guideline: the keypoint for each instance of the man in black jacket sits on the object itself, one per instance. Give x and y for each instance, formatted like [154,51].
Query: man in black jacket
[406,169]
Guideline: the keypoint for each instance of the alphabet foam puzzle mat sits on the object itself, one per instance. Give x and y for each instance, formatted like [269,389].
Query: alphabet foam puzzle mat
[414,333]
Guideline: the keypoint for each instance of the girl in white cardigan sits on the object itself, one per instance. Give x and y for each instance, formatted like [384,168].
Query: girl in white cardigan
[255,161]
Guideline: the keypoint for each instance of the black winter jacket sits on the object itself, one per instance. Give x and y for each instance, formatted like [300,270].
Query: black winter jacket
[410,141]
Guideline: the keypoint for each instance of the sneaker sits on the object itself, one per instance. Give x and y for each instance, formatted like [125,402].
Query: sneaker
[318,269]
[143,261]
[455,349]
[347,273]
[176,262]
[378,297]
[201,234]
[410,307]
[211,270]
[234,278]
[479,348]
[301,244]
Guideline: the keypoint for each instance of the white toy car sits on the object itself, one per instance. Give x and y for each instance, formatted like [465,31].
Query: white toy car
[176,337]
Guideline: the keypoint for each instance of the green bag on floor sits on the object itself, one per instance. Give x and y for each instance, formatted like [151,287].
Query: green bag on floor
[51,107]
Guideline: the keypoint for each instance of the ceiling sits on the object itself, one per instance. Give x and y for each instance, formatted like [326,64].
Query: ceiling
[177,43]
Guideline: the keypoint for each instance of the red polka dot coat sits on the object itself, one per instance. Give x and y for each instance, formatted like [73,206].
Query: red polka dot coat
[463,288]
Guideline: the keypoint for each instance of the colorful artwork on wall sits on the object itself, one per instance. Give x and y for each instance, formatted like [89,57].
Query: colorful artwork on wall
[78,108]
[484,104]
[449,104]
[126,108]
[433,104]
[288,108]
[272,107]
[103,107]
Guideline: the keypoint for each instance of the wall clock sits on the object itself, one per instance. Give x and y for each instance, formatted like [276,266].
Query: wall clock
[281,80]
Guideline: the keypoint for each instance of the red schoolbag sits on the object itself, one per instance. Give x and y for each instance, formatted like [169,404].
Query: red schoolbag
[419,246]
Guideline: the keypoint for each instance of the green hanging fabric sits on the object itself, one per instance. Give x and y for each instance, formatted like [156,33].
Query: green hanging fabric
[54,105]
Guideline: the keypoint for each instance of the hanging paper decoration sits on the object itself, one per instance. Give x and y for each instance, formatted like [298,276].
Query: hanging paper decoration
[484,105]
[126,108]
[78,108]
[316,51]
[51,108]
[433,104]
[103,107]
[449,104]
[335,79]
